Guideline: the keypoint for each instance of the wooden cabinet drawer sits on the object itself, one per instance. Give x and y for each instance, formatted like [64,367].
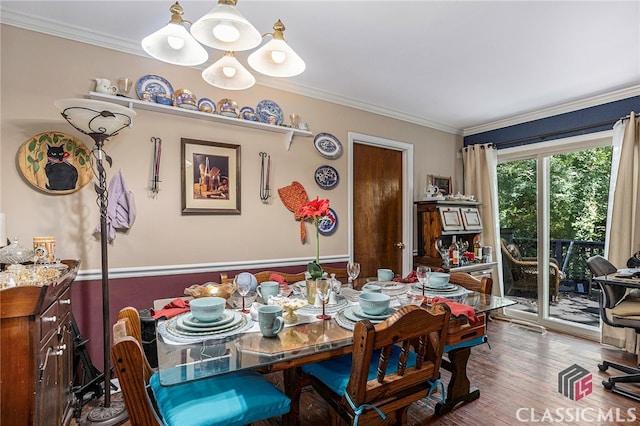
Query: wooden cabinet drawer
[48,321]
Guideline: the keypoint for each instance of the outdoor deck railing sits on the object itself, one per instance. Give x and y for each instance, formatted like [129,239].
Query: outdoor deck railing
[572,255]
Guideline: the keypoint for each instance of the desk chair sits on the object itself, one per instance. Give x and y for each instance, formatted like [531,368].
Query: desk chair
[382,376]
[235,398]
[616,310]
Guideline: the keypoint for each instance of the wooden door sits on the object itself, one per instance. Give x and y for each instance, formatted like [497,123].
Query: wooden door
[377,209]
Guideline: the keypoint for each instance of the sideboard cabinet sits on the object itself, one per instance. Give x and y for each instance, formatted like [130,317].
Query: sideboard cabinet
[36,358]
[441,220]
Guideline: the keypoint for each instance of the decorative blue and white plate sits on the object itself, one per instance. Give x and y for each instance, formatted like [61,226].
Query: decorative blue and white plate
[206,105]
[269,112]
[153,84]
[327,146]
[326,177]
[326,226]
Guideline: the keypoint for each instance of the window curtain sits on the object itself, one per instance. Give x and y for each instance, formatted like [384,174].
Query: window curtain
[481,180]
[623,228]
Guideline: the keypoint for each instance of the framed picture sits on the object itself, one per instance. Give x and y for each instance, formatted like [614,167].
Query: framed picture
[450,219]
[442,182]
[210,177]
[471,219]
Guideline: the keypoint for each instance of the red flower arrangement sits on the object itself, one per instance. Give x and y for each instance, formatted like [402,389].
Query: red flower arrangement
[314,210]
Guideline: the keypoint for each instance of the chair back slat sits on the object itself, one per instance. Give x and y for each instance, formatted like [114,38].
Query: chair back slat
[128,360]
[131,318]
[482,285]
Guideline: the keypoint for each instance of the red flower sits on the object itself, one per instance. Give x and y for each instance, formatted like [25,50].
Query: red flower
[315,209]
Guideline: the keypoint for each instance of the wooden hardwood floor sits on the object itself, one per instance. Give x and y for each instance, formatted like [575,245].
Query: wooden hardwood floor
[518,382]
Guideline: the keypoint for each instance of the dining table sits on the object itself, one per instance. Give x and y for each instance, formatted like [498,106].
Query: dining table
[184,356]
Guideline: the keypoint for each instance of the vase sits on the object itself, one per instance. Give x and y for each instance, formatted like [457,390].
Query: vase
[311,291]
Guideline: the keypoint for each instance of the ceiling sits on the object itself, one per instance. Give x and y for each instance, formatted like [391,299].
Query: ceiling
[450,65]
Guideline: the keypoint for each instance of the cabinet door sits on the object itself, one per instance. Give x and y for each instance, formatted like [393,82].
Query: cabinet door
[48,410]
[66,358]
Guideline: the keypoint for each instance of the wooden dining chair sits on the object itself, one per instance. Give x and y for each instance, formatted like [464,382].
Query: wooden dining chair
[235,398]
[393,364]
[266,275]
[481,285]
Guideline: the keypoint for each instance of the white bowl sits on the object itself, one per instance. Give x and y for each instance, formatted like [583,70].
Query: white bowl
[374,303]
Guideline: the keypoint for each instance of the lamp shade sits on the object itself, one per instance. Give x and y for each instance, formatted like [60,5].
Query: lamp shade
[276,58]
[228,73]
[225,28]
[174,44]
[93,117]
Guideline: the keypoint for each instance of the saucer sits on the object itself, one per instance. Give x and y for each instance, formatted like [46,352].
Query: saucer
[237,318]
[386,314]
[190,320]
[351,316]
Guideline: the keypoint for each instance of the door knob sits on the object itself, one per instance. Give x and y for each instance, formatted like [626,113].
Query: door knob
[400,245]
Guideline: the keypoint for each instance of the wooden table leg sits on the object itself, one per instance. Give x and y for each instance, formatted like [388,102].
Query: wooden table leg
[459,389]
[293,389]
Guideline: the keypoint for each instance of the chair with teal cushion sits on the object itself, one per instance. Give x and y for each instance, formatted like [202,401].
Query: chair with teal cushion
[393,364]
[236,398]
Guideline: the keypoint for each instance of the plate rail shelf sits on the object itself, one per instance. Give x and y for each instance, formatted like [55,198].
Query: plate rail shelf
[288,132]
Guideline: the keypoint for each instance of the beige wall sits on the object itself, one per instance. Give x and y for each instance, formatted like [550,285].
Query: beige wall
[38,69]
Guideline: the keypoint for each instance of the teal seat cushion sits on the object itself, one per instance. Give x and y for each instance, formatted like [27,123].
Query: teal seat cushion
[230,399]
[335,372]
[466,344]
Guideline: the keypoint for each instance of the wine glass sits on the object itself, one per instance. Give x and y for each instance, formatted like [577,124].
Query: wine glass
[353,270]
[422,273]
[323,289]
[243,286]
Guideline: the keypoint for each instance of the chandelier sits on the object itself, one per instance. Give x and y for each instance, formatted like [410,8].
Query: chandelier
[223,28]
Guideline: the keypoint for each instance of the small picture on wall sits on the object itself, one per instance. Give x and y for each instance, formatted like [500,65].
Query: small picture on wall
[443,183]
[210,177]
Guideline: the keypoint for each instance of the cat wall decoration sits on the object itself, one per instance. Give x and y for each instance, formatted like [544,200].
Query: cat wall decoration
[55,162]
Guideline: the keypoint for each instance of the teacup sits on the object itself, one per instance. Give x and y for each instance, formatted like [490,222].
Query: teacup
[385,275]
[372,288]
[268,288]
[207,309]
[270,320]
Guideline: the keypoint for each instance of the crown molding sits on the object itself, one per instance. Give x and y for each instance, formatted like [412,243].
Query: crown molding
[288,86]
[556,110]
[89,36]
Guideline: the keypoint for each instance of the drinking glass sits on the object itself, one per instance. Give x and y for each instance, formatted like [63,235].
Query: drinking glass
[243,286]
[353,270]
[422,272]
[323,289]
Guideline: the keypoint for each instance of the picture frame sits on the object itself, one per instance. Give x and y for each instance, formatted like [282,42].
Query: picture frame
[210,177]
[450,219]
[442,182]
[471,219]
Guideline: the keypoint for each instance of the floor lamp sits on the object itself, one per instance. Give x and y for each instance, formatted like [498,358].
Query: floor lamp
[101,120]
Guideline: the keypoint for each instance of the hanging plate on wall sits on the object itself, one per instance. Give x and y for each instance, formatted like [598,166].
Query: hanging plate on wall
[326,177]
[326,226]
[327,146]
[55,162]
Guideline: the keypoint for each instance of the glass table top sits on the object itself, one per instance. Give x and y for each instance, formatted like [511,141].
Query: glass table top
[310,338]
